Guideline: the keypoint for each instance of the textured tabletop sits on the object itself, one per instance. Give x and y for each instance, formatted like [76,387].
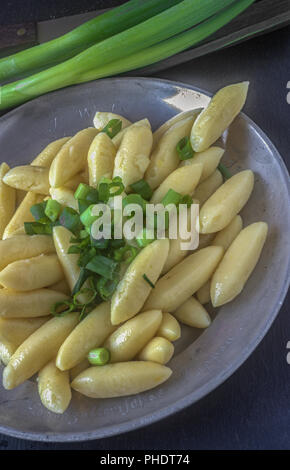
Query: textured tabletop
[251,409]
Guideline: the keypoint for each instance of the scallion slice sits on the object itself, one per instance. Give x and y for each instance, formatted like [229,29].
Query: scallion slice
[145,238]
[142,187]
[103,266]
[87,218]
[134,199]
[82,191]
[184,149]
[224,171]
[106,287]
[38,212]
[148,281]
[171,197]
[70,219]
[52,209]
[112,128]
[37,228]
[99,356]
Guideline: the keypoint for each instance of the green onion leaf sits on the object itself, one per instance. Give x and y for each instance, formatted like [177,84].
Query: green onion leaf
[101,244]
[86,290]
[113,127]
[184,149]
[52,209]
[134,199]
[38,212]
[171,197]
[142,187]
[87,218]
[59,309]
[106,287]
[126,253]
[186,200]
[82,191]
[148,281]
[74,250]
[70,219]
[103,266]
[86,256]
[84,275]
[37,228]
[93,196]
[116,183]
[83,205]
[99,356]
[224,171]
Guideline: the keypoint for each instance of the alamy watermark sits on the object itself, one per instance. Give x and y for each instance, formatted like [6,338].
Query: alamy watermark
[113,221]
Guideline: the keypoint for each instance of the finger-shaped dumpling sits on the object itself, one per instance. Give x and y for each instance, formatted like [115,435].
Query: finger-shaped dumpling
[29,178]
[22,214]
[133,335]
[24,246]
[205,189]
[119,137]
[226,202]
[72,157]
[121,379]
[90,333]
[169,328]
[182,180]
[101,158]
[133,289]
[220,113]
[175,119]
[17,330]
[192,313]
[7,349]
[132,158]
[38,349]
[184,280]
[102,118]
[35,303]
[164,158]
[227,235]
[61,237]
[238,263]
[47,155]
[158,350]
[7,199]
[61,286]
[64,196]
[54,388]
[210,159]
[32,273]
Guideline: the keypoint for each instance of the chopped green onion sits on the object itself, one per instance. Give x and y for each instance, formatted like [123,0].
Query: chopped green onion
[86,290]
[84,275]
[86,256]
[52,209]
[134,199]
[74,250]
[224,171]
[83,205]
[103,266]
[118,243]
[38,212]
[70,219]
[104,192]
[126,253]
[99,356]
[82,191]
[112,128]
[87,218]
[62,308]
[184,149]
[116,183]
[93,196]
[171,197]
[37,228]
[142,187]
[106,287]
[145,238]
[101,244]
[148,281]
[186,200]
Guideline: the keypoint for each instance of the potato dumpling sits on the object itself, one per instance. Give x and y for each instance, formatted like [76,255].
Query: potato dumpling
[192,313]
[226,202]
[169,328]
[34,303]
[217,117]
[28,178]
[102,118]
[205,189]
[54,388]
[101,158]
[133,290]
[131,337]
[7,199]
[238,263]
[22,214]
[184,279]
[23,247]
[158,350]
[210,159]
[121,379]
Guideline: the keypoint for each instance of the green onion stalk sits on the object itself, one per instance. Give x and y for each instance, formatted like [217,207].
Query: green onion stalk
[103,26]
[169,47]
[90,63]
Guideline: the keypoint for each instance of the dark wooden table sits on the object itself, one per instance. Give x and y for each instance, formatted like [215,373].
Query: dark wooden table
[251,409]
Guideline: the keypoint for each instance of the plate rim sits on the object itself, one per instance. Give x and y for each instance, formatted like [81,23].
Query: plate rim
[211,385]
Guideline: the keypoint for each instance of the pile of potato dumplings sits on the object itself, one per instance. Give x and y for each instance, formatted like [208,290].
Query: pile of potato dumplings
[140,323]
